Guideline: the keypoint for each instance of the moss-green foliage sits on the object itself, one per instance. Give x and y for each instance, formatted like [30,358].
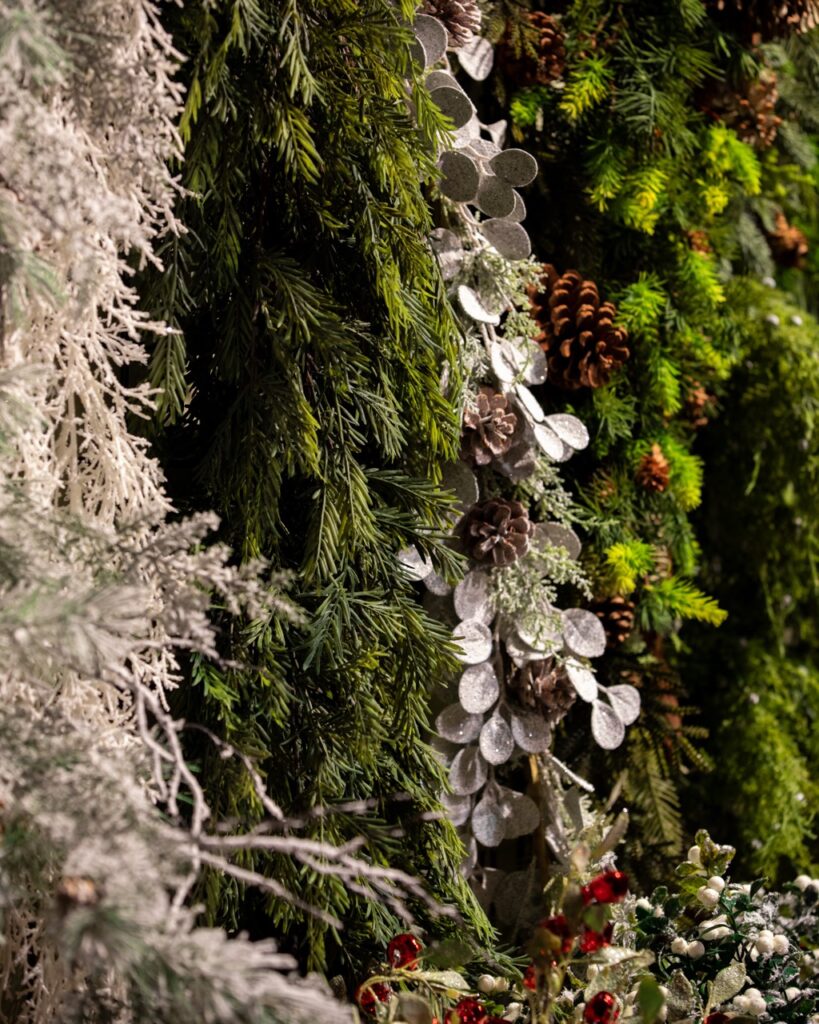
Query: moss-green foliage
[303,402]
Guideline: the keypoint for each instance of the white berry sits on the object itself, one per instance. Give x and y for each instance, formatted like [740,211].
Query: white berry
[695,949]
[792,993]
[694,855]
[781,944]
[486,983]
[707,897]
[716,882]
[802,882]
[679,946]
[765,942]
[643,903]
[501,985]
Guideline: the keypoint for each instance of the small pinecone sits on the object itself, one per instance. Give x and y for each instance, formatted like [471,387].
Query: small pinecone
[654,472]
[788,244]
[496,531]
[756,21]
[617,615]
[751,112]
[489,427]
[583,346]
[696,405]
[698,240]
[461,19]
[545,685]
[542,61]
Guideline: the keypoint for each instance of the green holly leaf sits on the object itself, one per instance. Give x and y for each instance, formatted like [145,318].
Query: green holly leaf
[650,1000]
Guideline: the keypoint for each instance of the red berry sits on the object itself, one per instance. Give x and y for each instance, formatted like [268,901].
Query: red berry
[609,887]
[403,951]
[591,941]
[559,926]
[717,1018]
[367,995]
[530,977]
[469,1011]
[601,1009]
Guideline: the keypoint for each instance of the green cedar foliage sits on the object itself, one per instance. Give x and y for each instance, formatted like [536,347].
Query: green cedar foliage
[303,402]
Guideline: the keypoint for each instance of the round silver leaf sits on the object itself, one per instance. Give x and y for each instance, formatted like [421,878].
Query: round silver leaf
[522,813]
[557,536]
[458,808]
[583,633]
[515,166]
[582,679]
[418,567]
[439,79]
[484,149]
[545,631]
[455,104]
[443,749]
[470,860]
[419,55]
[496,742]
[495,196]
[476,58]
[569,429]
[508,238]
[474,308]
[474,641]
[473,597]
[478,688]
[468,771]
[460,176]
[436,584]
[496,131]
[488,825]
[529,402]
[530,731]
[457,725]
[444,240]
[535,367]
[551,443]
[503,356]
[466,133]
[520,652]
[458,477]
[607,729]
[432,36]
[518,214]
[625,700]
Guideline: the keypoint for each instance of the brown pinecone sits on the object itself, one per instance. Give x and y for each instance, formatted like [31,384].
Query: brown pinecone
[698,240]
[489,427]
[545,685]
[496,531]
[654,472]
[461,19]
[788,244]
[582,344]
[540,59]
[751,111]
[756,21]
[617,615]
[696,405]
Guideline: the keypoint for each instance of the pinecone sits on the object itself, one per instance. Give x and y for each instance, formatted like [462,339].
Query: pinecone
[654,471]
[489,427]
[751,111]
[788,244]
[698,240]
[756,21]
[696,405]
[461,19]
[545,685]
[583,346]
[617,615]
[496,531]
[541,59]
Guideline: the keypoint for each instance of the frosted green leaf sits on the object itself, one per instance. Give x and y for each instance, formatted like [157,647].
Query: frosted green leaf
[727,983]
[496,742]
[625,700]
[607,729]
[476,58]
[583,633]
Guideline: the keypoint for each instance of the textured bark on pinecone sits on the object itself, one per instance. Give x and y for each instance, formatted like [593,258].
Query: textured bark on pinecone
[489,427]
[461,19]
[583,346]
[545,685]
[756,21]
[789,245]
[654,472]
[540,62]
[496,531]
[751,111]
[617,615]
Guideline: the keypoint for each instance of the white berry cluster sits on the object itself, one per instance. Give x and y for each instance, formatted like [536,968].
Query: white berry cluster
[752,1002]
[709,893]
[767,944]
[682,947]
[805,883]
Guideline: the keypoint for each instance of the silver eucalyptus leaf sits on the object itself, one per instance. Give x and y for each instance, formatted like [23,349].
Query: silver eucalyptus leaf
[515,166]
[583,633]
[607,729]
[530,731]
[432,36]
[518,214]
[496,742]
[441,79]
[544,631]
[582,679]
[551,444]
[478,688]
[466,133]
[483,149]
[557,535]
[436,584]
[460,479]
[534,371]
[468,771]
[569,429]
[520,652]
[457,725]
[476,58]
[460,176]
[454,103]
[495,196]
[470,859]
[419,54]
[496,131]
[443,240]
[417,566]
[474,308]
[509,238]
[529,402]
[522,814]
[474,641]
[474,598]
[488,824]
[625,700]
[505,359]
[458,808]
